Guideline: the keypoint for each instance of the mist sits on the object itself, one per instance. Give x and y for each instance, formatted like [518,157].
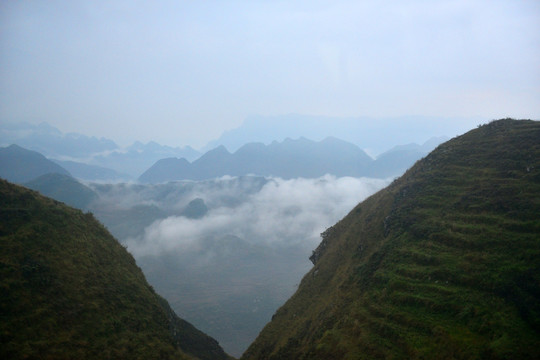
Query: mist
[227,252]
[282,213]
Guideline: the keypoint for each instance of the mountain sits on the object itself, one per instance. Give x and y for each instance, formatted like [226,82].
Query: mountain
[71,291]
[287,159]
[21,165]
[138,157]
[51,142]
[63,188]
[401,157]
[444,263]
[87,172]
[88,157]
[373,134]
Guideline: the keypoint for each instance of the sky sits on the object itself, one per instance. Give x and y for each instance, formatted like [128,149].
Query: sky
[183,72]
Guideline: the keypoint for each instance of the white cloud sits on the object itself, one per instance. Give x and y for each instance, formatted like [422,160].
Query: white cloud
[282,213]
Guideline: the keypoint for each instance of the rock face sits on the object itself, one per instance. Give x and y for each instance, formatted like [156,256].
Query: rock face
[444,263]
[71,291]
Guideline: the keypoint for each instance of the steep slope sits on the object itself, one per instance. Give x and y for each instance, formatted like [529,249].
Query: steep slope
[444,263]
[71,291]
[20,165]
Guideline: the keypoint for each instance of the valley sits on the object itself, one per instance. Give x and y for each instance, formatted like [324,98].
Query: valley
[227,252]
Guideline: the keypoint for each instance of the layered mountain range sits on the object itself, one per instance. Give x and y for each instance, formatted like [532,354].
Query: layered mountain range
[87,157]
[290,159]
[92,159]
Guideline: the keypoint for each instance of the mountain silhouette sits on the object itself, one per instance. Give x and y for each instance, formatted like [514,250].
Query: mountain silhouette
[287,159]
[20,165]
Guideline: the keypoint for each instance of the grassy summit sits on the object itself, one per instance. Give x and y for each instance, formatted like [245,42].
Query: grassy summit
[442,264]
[69,290]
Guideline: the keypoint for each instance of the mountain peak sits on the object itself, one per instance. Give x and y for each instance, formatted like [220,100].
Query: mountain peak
[20,165]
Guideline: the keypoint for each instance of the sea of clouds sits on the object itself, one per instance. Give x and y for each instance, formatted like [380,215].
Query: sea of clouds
[227,269]
[281,213]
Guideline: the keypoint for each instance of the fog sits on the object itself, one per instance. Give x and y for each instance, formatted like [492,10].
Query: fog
[282,213]
[226,253]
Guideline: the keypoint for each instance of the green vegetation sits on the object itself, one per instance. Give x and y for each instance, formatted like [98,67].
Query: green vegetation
[442,264]
[71,291]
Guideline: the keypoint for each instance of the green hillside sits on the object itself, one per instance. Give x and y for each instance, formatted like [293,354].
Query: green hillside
[69,290]
[442,264]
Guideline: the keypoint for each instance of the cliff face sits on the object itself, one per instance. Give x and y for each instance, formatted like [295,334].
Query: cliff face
[71,291]
[444,263]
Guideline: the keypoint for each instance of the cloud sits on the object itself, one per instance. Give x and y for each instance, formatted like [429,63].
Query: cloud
[229,271]
[283,213]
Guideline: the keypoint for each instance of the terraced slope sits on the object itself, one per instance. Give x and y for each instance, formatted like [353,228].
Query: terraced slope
[442,264]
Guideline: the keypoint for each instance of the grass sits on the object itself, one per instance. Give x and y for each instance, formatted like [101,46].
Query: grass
[444,263]
[70,290]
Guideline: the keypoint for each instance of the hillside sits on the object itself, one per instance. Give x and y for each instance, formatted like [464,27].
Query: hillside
[71,291]
[444,263]
[20,165]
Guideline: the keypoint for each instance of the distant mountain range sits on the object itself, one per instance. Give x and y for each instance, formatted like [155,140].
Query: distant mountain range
[20,165]
[290,159]
[51,142]
[89,158]
[35,171]
[374,135]
[99,159]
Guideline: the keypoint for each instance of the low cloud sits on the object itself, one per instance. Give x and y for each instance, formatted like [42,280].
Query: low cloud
[283,213]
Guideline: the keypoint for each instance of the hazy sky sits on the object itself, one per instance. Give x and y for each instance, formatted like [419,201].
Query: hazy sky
[182,72]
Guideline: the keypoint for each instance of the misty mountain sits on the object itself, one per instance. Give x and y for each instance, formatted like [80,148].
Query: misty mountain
[63,188]
[20,165]
[442,264]
[401,157]
[71,291]
[97,153]
[91,172]
[51,142]
[226,252]
[287,159]
[291,159]
[374,134]
[138,157]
